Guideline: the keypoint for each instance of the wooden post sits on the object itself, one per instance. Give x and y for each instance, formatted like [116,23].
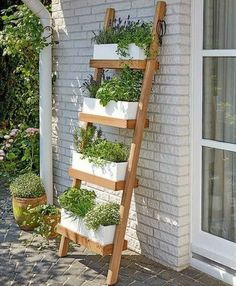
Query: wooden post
[135,149]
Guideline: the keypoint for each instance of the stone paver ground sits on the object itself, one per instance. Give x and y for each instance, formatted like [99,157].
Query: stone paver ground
[22,264]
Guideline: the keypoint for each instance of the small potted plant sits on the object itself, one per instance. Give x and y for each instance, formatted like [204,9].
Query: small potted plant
[123,40]
[27,192]
[75,204]
[116,97]
[98,156]
[101,222]
[47,217]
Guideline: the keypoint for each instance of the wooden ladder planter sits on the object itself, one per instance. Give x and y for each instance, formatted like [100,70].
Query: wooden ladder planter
[149,67]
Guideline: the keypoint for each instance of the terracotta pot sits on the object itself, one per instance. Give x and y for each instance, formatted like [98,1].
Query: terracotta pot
[52,221]
[23,217]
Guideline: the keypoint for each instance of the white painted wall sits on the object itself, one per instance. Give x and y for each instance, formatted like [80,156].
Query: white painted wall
[160,214]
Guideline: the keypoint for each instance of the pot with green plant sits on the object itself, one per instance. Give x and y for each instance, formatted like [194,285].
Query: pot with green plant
[27,192]
[98,156]
[101,222]
[116,97]
[125,39]
[75,204]
[47,217]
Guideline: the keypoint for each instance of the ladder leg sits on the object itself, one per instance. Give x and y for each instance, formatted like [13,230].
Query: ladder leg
[64,245]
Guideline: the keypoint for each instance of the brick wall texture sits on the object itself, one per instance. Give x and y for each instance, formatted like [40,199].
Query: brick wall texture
[159,217]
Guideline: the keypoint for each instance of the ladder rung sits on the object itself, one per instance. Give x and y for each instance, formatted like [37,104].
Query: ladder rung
[110,121]
[120,64]
[111,185]
[91,245]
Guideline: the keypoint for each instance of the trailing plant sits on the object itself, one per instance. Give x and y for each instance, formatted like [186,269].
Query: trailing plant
[20,43]
[77,201]
[28,185]
[98,150]
[19,152]
[105,214]
[126,86]
[46,217]
[125,32]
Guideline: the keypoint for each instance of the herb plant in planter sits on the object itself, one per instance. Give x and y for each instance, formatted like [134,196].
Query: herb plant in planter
[100,157]
[27,192]
[102,221]
[75,204]
[116,97]
[124,39]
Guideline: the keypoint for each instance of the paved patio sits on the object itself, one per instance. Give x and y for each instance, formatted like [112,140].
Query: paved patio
[27,265]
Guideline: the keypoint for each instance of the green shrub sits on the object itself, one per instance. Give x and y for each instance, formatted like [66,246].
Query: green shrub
[124,33]
[28,185]
[45,210]
[77,201]
[105,214]
[126,86]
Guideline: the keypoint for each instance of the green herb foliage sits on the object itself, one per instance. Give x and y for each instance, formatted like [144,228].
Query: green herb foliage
[98,150]
[124,33]
[86,137]
[45,210]
[91,85]
[102,151]
[126,86]
[77,201]
[28,185]
[105,214]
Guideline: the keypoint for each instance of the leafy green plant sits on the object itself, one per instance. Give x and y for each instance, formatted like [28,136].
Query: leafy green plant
[102,151]
[77,201]
[98,150]
[126,86]
[20,45]
[28,185]
[19,152]
[105,214]
[86,137]
[124,33]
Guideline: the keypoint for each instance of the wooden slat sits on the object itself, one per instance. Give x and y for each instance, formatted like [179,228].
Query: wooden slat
[91,245]
[120,64]
[114,266]
[109,121]
[108,184]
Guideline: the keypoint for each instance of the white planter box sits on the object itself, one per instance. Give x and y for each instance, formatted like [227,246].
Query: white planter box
[103,235]
[73,222]
[111,171]
[120,109]
[108,52]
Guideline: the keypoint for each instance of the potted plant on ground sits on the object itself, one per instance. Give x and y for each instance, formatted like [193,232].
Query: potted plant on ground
[116,97]
[101,222]
[75,204]
[27,192]
[47,217]
[98,156]
[123,40]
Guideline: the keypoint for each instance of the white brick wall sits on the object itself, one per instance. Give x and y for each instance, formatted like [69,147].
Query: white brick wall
[159,216]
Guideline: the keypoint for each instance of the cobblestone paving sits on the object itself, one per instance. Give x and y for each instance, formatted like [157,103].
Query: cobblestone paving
[22,264]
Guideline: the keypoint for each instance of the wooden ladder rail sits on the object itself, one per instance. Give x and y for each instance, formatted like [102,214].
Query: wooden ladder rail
[114,265]
[109,17]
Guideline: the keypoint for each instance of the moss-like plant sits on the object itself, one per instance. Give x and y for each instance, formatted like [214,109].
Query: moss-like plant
[77,201]
[105,214]
[28,185]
